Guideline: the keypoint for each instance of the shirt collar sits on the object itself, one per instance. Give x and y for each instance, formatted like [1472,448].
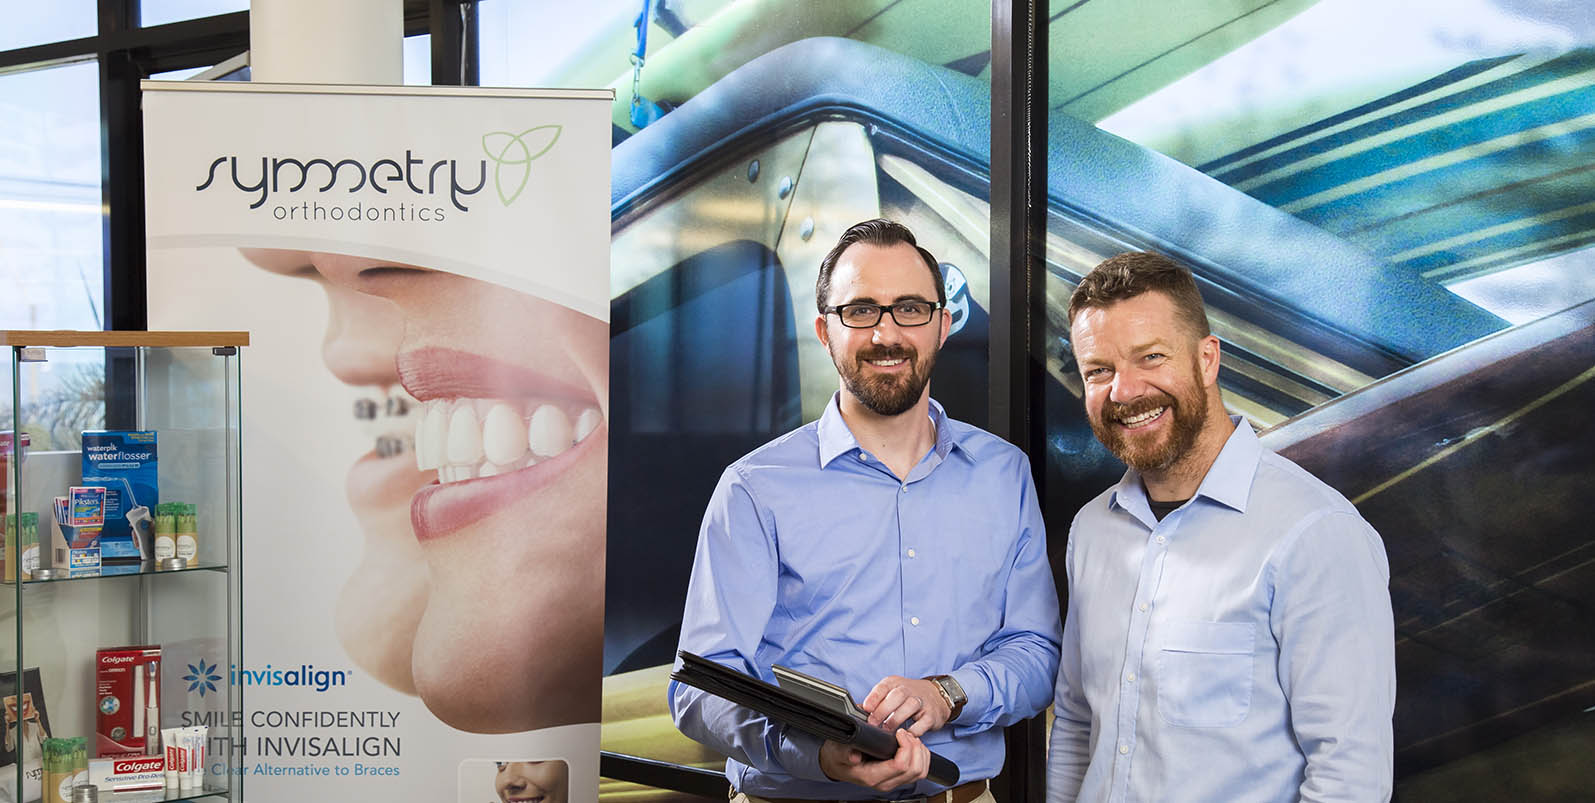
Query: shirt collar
[1228,481]
[836,439]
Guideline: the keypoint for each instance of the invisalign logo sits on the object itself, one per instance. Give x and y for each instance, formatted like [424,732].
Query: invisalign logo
[513,154]
[202,678]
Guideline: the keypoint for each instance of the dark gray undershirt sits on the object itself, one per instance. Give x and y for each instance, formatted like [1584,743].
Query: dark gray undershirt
[1161,509]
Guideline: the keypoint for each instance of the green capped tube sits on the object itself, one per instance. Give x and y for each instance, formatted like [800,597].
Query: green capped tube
[188,533]
[165,530]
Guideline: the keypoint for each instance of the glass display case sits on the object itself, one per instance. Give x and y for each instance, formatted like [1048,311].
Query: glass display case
[119,461]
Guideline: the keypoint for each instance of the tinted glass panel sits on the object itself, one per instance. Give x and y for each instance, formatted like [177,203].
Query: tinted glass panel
[51,252]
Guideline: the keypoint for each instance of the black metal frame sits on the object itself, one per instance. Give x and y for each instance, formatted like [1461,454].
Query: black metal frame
[1017,307]
[456,59]
[128,52]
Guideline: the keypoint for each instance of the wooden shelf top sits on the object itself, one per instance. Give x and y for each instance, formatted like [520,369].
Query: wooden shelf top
[123,339]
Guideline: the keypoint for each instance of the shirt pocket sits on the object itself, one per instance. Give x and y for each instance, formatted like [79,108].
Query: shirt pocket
[1205,673]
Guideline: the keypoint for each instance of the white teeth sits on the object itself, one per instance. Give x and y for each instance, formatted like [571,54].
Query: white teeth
[549,431]
[464,439]
[1146,416]
[456,473]
[465,436]
[503,435]
[586,423]
[431,438]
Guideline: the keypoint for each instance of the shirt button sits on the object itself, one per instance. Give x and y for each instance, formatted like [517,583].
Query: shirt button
[1124,749]
[905,489]
[1130,677]
[1162,540]
[863,456]
[914,620]
[911,553]
[1143,607]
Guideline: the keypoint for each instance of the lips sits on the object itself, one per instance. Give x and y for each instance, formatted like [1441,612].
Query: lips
[475,487]
[439,373]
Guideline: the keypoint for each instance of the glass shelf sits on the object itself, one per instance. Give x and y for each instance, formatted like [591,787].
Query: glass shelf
[126,570]
[170,794]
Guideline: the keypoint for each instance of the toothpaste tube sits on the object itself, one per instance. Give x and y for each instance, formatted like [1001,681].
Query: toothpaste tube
[173,748]
[129,774]
[194,754]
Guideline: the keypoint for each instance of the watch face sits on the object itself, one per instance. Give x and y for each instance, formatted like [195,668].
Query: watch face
[955,691]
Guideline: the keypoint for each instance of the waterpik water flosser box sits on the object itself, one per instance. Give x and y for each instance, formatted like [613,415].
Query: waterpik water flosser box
[124,463]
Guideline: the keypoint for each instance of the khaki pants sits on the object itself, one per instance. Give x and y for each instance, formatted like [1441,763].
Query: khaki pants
[985,797]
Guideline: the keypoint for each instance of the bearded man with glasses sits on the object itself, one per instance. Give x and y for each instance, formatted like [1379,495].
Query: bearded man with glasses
[884,547]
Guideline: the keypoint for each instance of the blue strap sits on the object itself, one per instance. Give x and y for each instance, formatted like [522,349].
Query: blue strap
[643,111]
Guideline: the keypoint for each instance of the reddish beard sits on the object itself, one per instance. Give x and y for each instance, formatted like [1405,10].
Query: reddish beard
[1189,411]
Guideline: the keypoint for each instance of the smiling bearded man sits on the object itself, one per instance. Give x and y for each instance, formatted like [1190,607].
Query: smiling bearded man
[1229,634]
[887,548]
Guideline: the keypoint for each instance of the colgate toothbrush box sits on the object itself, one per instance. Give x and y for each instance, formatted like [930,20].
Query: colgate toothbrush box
[124,463]
[124,677]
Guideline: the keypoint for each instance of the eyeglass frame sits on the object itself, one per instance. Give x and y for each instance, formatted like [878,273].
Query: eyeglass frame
[882,310]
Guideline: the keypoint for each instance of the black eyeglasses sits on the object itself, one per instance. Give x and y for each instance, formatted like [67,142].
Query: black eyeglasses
[905,313]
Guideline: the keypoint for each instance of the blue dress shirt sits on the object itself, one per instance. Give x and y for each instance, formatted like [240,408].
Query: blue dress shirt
[1242,649]
[815,556]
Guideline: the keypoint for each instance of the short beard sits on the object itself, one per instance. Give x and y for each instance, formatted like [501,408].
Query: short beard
[1190,415]
[886,395]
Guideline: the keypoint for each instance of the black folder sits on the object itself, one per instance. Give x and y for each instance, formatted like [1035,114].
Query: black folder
[806,703]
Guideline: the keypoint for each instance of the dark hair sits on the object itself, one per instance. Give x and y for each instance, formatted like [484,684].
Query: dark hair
[1131,274]
[879,231]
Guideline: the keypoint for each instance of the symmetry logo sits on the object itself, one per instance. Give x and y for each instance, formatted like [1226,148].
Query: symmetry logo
[513,155]
[411,177]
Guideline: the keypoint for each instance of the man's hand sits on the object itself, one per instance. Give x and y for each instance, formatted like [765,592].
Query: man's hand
[895,699]
[911,763]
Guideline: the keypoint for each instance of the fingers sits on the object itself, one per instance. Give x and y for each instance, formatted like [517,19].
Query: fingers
[839,762]
[892,702]
[896,700]
[899,707]
[909,765]
[875,695]
[924,721]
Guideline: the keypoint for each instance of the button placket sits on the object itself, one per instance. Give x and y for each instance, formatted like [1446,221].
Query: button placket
[1135,646]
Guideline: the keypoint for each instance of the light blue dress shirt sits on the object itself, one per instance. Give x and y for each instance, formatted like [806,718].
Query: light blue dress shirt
[1242,649]
[813,555]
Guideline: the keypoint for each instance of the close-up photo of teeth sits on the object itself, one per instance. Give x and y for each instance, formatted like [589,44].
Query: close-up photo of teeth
[464,439]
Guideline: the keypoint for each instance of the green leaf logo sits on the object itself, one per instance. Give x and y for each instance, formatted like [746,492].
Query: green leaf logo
[512,155]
